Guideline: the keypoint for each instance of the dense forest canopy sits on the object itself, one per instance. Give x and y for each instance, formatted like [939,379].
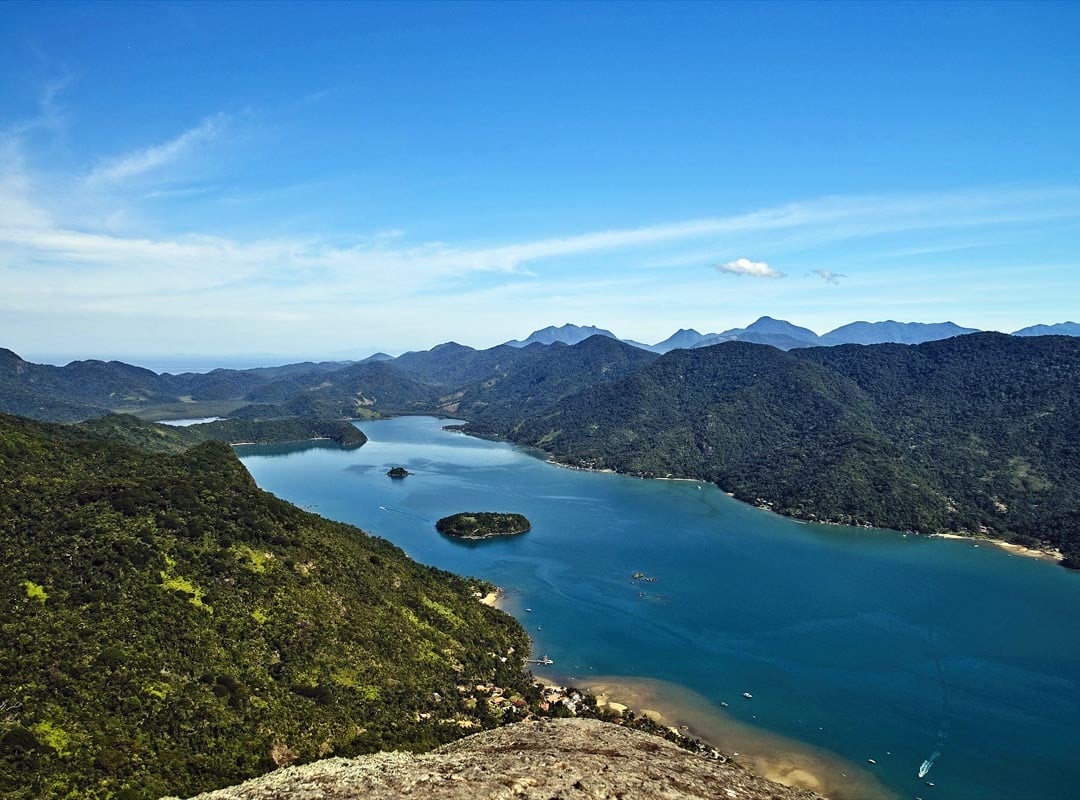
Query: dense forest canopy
[168,627]
[977,434]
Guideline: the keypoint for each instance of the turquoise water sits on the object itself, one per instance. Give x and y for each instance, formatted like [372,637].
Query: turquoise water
[868,644]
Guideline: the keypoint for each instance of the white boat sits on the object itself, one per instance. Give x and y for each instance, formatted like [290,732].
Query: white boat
[925,768]
[747,695]
[870,761]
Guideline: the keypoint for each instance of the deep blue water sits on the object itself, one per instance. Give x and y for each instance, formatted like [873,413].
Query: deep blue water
[859,642]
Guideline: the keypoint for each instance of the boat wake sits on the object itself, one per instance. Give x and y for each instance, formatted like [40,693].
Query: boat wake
[943,729]
[405,513]
[925,768]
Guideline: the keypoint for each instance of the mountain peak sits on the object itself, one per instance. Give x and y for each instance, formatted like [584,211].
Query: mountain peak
[682,339]
[451,347]
[892,331]
[772,325]
[1056,329]
[567,333]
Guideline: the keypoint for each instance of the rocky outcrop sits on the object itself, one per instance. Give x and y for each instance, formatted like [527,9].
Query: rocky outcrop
[571,759]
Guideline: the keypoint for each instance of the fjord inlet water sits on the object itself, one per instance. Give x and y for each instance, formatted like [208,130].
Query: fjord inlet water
[866,644]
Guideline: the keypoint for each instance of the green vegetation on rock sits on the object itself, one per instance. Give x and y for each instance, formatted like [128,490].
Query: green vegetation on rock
[169,628]
[482,524]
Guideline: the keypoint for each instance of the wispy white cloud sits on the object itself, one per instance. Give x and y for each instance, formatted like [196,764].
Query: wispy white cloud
[50,116]
[182,191]
[100,261]
[17,209]
[827,275]
[131,165]
[30,230]
[55,256]
[751,269]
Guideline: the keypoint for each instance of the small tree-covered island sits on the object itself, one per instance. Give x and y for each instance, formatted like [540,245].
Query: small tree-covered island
[398,472]
[482,525]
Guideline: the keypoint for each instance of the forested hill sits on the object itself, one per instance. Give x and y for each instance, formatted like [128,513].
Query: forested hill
[540,381]
[86,389]
[167,627]
[159,438]
[978,433]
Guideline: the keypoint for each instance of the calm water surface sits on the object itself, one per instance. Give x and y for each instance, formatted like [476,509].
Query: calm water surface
[869,644]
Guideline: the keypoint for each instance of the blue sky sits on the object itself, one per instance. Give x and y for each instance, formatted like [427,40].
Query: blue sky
[313,180]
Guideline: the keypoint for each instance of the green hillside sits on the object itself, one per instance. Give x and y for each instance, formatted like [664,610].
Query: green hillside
[174,439]
[168,627]
[537,379]
[348,392]
[978,434]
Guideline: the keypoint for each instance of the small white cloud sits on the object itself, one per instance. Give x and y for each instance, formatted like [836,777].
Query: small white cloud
[744,266]
[134,164]
[827,275]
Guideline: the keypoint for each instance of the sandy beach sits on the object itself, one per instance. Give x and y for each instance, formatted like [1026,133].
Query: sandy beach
[775,757]
[1015,549]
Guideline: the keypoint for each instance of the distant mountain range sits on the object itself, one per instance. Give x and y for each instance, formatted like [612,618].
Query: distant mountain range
[567,334]
[787,336]
[895,332]
[411,382]
[1060,329]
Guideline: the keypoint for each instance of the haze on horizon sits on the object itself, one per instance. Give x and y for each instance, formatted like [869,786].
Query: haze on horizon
[330,180]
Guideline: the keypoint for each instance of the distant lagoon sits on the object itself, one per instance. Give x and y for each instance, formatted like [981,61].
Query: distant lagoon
[184,423]
[854,643]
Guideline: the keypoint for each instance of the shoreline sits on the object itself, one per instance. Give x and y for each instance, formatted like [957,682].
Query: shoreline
[773,756]
[1053,554]
[551,460]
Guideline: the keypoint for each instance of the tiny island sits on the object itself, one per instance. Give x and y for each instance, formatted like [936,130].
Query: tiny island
[398,472]
[482,525]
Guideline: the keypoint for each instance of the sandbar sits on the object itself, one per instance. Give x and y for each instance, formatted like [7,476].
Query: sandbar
[772,756]
[1016,549]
